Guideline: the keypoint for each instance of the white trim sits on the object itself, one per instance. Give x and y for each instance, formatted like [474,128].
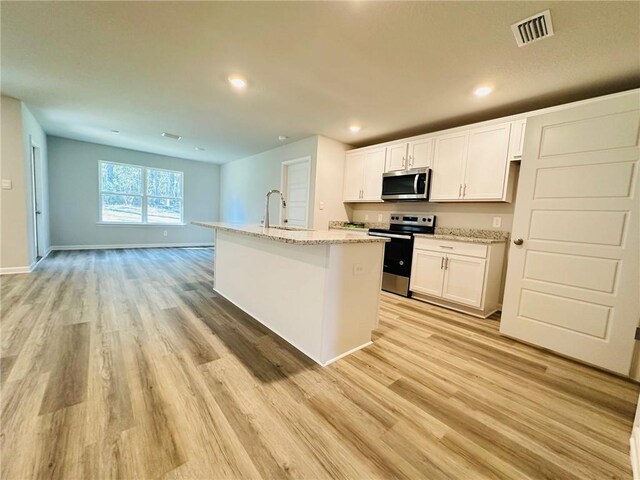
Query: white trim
[14,270]
[283,187]
[634,445]
[132,245]
[29,269]
[347,353]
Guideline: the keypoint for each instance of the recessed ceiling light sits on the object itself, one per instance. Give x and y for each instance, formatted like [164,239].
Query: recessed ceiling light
[171,135]
[200,149]
[115,132]
[354,128]
[282,138]
[238,82]
[482,91]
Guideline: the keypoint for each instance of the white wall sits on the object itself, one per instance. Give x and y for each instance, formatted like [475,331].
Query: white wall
[329,179]
[73,187]
[245,182]
[14,245]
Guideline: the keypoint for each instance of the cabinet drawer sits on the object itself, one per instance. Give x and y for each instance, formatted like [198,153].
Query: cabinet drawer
[450,246]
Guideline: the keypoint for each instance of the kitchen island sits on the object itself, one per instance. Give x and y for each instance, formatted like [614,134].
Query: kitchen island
[318,290]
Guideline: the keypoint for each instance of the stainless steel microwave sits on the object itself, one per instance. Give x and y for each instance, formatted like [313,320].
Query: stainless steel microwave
[406,185]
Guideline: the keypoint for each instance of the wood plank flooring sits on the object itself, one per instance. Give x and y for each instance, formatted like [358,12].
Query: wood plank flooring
[125,364]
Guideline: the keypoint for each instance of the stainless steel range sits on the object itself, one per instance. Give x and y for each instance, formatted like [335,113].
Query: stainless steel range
[398,252]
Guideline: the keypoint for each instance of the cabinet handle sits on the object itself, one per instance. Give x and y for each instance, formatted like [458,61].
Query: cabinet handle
[464,191]
[460,191]
[441,263]
[446,246]
[446,263]
[404,162]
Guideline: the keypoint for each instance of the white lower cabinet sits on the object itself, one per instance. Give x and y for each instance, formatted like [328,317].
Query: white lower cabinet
[464,280]
[427,273]
[459,275]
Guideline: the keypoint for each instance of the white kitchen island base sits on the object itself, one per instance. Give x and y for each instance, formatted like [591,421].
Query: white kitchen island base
[322,298]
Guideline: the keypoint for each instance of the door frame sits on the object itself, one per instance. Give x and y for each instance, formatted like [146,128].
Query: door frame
[284,168]
[35,185]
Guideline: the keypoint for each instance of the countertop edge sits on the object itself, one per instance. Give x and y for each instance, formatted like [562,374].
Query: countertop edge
[283,238]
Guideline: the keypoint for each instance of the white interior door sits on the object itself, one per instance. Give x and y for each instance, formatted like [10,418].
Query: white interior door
[572,285]
[38,201]
[296,192]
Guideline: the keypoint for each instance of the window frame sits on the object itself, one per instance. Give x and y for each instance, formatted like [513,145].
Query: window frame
[144,196]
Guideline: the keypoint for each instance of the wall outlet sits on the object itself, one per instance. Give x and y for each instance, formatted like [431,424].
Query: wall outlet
[497,222]
[379,217]
[321,206]
[366,217]
[358,269]
[7,184]
[164,233]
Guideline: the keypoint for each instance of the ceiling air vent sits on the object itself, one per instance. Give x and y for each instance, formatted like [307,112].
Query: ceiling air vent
[533,28]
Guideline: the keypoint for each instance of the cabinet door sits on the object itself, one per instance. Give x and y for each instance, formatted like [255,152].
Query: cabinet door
[353,172]
[427,272]
[464,280]
[372,178]
[516,141]
[448,166]
[396,157]
[420,153]
[486,166]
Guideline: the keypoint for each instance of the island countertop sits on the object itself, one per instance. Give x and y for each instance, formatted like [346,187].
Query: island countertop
[293,235]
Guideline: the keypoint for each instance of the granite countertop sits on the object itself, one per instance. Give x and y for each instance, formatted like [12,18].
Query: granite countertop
[365,226]
[293,235]
[469,235]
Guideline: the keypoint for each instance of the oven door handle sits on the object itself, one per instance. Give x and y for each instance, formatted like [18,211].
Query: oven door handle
[390,235]
[415,183]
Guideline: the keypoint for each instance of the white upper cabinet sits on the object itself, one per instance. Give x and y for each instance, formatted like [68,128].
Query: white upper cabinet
[420,153]
[363,171]
[486,166]
[396,157]
[471,165]
[448,166]
[353,172]
[372,179]
[517,139]
[408,155]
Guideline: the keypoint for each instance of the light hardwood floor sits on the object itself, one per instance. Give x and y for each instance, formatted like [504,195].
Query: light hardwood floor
[125,364]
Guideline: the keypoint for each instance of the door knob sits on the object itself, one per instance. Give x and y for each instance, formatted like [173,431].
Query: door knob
[518,241]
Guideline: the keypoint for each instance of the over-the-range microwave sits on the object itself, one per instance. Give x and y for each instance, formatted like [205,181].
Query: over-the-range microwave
[406,185]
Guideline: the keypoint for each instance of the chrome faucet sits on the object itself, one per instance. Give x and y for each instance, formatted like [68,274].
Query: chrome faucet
[266,206]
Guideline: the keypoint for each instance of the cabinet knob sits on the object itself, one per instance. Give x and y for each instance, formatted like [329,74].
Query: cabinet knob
[518,241]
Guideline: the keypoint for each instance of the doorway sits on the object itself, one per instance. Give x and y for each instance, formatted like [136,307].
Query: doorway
[295,187]
[37,182]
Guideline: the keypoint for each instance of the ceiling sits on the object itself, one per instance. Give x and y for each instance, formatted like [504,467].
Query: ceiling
[396,68]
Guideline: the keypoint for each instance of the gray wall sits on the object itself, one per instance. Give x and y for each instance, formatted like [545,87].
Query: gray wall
[245,182]
[73,191]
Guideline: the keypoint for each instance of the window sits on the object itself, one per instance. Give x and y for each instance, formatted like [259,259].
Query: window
[134,194]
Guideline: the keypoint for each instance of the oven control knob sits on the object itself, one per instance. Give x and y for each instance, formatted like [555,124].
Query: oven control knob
[401,262]
[424,219]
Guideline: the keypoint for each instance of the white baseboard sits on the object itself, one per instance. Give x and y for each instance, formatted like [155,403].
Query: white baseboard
[29,269]
[132,245]
[14,270]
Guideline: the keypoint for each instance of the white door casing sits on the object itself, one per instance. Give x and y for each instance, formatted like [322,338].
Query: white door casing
[572,286]
[37,182]
[295,187]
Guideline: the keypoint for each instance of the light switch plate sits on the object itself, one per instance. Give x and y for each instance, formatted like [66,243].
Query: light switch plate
[379,217]
[7,184]
[497,222]
[321,205]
